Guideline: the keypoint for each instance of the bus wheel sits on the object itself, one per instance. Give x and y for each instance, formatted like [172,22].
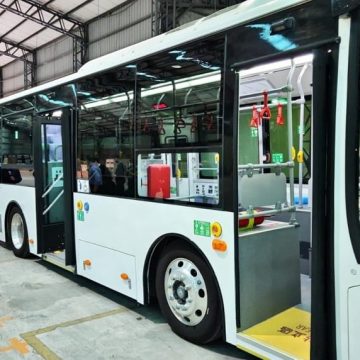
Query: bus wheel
[188,297]
[17,232]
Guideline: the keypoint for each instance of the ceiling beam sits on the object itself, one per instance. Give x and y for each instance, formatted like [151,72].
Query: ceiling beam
[12,48]
[57,21]
[21,22]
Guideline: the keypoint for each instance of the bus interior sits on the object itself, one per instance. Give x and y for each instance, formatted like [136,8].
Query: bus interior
[275,198]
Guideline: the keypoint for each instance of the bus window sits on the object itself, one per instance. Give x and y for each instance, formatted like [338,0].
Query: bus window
[105,134]
[16,146]
[180,101]
[185,177]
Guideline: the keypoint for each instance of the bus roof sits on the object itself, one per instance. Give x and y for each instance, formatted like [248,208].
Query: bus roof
[212,24]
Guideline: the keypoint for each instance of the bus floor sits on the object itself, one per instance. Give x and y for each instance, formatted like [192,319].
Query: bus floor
[49,313]
[288,331]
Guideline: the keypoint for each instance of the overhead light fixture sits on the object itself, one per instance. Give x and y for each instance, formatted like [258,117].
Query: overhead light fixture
[158,89]
[176,66]
[57,114]
[277,65]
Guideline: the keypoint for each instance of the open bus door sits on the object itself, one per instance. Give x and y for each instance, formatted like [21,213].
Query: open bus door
[286,308]
[54,183]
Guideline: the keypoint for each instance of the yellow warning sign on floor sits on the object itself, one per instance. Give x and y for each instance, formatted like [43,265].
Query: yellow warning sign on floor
[288,331]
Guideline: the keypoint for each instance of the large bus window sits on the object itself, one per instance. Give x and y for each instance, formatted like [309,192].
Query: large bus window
[186,177]
[16,145]
[105,134]
[179,97]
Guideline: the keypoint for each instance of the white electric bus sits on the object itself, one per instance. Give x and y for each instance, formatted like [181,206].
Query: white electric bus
[213,169]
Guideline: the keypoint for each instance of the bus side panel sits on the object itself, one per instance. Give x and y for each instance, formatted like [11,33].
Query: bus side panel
[347,270]
[24,197]
[354,322]
[130,227]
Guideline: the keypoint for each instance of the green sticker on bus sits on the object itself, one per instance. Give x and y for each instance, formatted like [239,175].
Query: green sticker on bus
[254,132]
[277,158]
[80,215]
[201,228]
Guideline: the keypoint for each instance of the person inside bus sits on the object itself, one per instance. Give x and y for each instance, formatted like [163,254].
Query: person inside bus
[95,176]
[121,173]
[120,177]
[124,177]
[130,178]
[108,186]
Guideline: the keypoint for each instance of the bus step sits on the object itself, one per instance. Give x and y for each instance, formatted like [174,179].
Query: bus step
[58,258]
[288,332]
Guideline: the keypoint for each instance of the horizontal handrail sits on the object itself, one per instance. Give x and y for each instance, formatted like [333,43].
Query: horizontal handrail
[289,164]
[259,107]
[272,91]
[192,197]
[252,214]
[205,169]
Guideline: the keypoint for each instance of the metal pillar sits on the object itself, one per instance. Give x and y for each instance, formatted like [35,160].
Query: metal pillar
[1,84]
[29,70]
[80,47]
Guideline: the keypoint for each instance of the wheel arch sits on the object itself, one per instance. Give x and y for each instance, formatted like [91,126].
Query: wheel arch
[153,257]
[9,207]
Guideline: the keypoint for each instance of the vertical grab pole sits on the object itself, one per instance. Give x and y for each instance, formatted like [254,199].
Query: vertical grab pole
[301,131]
[290,136]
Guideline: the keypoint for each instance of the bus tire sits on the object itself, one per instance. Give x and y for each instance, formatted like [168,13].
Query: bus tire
[188,297]
[17,232]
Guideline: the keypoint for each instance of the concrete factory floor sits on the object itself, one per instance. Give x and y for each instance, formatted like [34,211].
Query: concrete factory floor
[48,313]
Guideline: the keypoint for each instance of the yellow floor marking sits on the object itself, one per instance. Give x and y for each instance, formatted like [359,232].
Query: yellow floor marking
[244,348]
[43,350]
[4,319]
[288,331]
[15,345]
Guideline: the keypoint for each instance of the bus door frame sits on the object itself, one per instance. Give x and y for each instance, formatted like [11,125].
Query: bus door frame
[323,344]
[63,231]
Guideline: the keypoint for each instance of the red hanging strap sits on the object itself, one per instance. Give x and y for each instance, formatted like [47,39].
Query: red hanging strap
[255,119]
[265,112]
[194,124]
[146,128]
[207,121]
[280,117]
[179,124]
[161,129]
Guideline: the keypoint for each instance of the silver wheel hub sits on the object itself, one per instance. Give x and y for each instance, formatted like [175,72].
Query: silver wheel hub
[17,231]
[186,291]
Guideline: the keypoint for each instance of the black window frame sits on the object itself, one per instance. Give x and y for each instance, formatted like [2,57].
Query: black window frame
[352,138]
